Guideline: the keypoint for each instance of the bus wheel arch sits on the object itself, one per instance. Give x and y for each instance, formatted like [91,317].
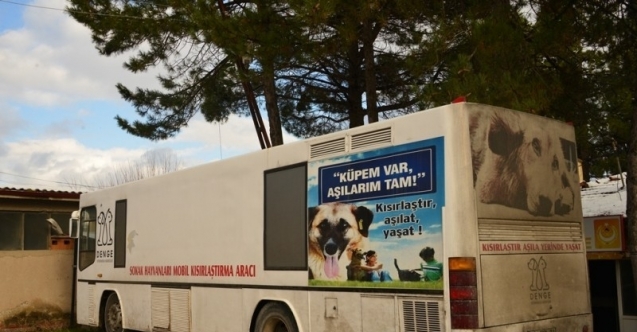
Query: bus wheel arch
[273,316]
[110,314]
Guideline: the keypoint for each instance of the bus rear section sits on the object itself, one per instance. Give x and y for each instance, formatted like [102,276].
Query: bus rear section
[462,217]
[532,271]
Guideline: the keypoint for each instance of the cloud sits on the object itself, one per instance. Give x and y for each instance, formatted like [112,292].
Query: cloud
[220,141]
[51,61]
[52,163]
[203,142]
[31,74]
[58,100]
[61,161]
[10,120]
[212,134]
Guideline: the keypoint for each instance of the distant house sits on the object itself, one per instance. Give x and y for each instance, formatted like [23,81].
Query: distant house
[610,274]
[36,256]
[29,218]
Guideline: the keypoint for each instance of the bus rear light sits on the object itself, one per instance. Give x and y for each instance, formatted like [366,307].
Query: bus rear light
[462,264]
[460,278]
[464,307]
[463,293]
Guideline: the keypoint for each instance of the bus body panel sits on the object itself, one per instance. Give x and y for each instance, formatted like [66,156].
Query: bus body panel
[197,237]
[83,309]
[135,302]
[212,308]
[335,311]
[568,323]
[539,286]
[219,309]
[459,212]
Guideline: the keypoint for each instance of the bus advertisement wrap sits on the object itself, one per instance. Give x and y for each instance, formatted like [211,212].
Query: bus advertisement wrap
[375,217]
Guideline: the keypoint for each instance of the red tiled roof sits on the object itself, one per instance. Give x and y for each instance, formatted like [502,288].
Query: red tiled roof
[38,193]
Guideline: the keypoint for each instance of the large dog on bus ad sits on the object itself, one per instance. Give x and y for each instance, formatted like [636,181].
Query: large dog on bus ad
[370,214]
[523,162]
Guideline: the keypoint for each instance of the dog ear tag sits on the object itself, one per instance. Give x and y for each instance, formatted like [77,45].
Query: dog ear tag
[360,224]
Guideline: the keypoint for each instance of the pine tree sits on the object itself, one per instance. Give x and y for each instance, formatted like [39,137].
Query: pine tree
[183,37]
[315,65]
[612,32]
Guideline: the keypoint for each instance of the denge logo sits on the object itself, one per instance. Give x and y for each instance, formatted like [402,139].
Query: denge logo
[105,228]
[104,236]
[540,288]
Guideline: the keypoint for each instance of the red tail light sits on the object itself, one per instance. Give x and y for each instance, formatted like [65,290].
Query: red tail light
[463,292]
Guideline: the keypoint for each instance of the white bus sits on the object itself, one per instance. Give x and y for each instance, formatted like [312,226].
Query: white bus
[463,217]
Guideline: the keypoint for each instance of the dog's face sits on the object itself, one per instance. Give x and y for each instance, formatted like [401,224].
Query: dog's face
[334,228]
[527,169]
[358,256]
[548,185]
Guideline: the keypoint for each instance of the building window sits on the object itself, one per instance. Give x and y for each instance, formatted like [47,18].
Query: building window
[31,230]
[11,231]
[37,231]
[63,220]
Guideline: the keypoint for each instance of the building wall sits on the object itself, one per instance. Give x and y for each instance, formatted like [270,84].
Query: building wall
[35,280]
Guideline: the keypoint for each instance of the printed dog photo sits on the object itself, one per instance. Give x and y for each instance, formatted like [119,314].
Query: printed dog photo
[354,270]
[336,231]
[406,275]
[522,166]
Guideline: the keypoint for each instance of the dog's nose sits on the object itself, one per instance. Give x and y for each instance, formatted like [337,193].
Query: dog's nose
[562,209]
[331,248]
[544,206]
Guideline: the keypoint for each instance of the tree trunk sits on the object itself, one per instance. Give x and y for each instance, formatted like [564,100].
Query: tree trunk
[271,105]
[631,183]
[631,191]
[264,140]
[354,88]
[370,72]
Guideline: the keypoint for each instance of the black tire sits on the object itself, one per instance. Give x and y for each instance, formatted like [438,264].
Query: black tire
[275,317]
[113,314]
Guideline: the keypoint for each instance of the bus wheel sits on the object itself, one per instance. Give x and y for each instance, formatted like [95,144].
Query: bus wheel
[113,314]
[275,317]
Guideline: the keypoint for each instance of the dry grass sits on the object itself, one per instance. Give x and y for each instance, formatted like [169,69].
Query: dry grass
[78,329]
[36,321]
[36,318]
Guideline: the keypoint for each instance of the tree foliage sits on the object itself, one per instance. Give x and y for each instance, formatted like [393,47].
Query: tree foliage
[356,65]
[313,64]
[179,36]
[612,32]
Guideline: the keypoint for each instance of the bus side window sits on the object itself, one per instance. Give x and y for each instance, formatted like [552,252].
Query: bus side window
[120,234]
[87,237]
[285,225]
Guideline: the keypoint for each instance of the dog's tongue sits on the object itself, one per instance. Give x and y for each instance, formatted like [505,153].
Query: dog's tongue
[331,267]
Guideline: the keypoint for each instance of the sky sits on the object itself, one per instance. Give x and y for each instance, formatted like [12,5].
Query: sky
[58,102]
